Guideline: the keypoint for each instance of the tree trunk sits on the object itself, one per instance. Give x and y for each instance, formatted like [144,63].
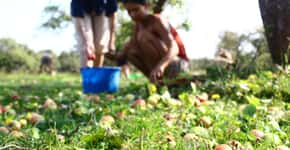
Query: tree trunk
[276,18]
[158,7]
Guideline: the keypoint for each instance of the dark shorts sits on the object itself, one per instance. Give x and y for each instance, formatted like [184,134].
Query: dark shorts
[81,7]
[175,67]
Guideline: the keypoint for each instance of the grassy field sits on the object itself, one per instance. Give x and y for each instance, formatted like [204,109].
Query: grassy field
[51,112]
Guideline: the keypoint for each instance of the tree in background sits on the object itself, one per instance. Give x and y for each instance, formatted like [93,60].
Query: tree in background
[69,61]
[275,15]
[250,50]
[15,56]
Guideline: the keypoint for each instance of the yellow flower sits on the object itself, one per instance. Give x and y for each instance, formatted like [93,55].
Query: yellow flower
[8,120]
[215,96]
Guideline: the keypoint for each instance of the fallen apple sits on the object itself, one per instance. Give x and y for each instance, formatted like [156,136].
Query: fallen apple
[169,116]
[61,138]
[190,137]
[203,97]
[257,133]
[139,103]
[16,133]
[15,97]
[107,120]
[110,97]
[95,98]
[205,121]
[129,97]
[35,118]
[153,99]
[23,122]
[223,147]
[4,130]
[79,111]
[50,104]
[14,125]
[121,114]
[2,109]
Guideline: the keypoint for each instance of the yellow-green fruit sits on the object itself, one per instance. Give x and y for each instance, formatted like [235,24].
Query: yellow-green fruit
[14,125]
[4,130]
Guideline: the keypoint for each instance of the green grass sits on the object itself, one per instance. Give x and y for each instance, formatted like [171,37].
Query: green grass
[260,101]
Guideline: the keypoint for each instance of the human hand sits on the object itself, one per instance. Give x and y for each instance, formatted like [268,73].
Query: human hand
[90,51]
[156,74]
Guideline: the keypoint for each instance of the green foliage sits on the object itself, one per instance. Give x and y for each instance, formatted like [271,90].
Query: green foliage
[58,18]
[241,107]
[250,51]
[14,56]
[69,61]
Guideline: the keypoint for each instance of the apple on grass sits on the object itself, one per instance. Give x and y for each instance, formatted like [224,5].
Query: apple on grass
[129,97]
[23,122]
[110,97]
[190,137]
[15,97]
[139,103]
[95,98]
[203,97]
[154,99]
[107,120]
[205,121]
[223,147]
[4,130]
[34,118]
[121,114]
[169,117]
[50,104]
[16,133]
[257,133]
[2,109]
[14,125]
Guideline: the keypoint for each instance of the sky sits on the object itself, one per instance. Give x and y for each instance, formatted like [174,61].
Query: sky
[21,20]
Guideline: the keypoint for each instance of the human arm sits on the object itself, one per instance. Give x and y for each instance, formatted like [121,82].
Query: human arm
[162,29]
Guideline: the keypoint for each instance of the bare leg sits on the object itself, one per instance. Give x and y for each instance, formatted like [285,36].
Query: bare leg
[147,52]
[133,57]
[99,61]
[101,37]
[84,34]
[150,50]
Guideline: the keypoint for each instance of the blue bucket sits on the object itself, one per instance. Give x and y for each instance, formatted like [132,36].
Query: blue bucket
[100,79]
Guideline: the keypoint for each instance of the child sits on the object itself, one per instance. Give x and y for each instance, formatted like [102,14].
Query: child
[155,47]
